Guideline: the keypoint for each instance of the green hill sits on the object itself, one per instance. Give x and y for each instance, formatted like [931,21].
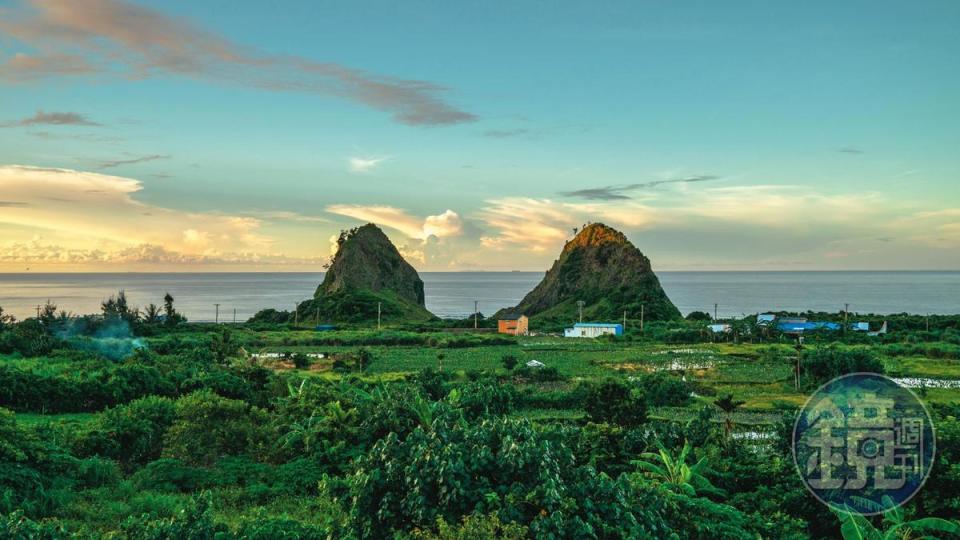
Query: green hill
[604,270]
[367,270]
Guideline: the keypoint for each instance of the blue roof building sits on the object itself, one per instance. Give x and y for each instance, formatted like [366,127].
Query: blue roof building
[799,327]
[593,330]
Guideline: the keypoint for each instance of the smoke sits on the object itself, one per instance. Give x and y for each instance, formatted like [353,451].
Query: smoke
[110,338]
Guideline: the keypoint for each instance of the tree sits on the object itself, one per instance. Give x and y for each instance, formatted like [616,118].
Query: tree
[118,308]
[509,362]
[132,433]
[673,471]
[822,364]
[728,405]
[699,316]
[151,314]
[48,314]
[222,345]
[171,317]
[6,320]
[208,427]
[364,359]
[300,360]
[615,402]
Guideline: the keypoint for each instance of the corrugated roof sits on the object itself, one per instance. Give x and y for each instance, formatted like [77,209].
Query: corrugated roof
[595,325]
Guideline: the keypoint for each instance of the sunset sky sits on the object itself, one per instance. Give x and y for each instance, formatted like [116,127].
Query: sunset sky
[221,135]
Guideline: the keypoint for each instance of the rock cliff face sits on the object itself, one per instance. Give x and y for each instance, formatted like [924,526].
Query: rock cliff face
[367,260]
[608,273]
[367,271]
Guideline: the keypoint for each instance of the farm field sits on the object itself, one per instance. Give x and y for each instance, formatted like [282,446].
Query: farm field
[258,430]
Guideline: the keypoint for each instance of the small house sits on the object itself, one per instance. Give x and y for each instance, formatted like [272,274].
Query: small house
[764,319]
[515,324]
[592,330]
[720,328]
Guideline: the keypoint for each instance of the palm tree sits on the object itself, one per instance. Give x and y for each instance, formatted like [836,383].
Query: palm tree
[854,526]
[674,472]
[728,405]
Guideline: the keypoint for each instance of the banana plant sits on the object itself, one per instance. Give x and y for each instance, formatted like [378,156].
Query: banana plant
[673,471]
[854,526]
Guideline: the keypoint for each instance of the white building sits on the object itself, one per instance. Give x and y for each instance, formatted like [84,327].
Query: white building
[592,330]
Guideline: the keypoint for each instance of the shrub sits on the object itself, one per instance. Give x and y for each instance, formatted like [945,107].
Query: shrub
[615,402]
[484,398]
[821,364]
[665,390]
[208,426]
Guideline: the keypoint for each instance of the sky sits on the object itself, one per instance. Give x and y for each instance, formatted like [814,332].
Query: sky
[243,136]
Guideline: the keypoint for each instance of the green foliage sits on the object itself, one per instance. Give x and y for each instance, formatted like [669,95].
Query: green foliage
[131,434]
[854,526]
[674,472]
[453,470]
[616,402]
[16,526]
[223,346]
[484,398]
[208,426]
[509,362]
[86,390]
[821,364]
[474,527]
[193,523]
[397,450]
[664,390]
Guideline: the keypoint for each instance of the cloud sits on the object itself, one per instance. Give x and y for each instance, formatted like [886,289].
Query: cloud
[528,224]
[362,165]
[38,252]
[542,225]
[113,37]
[505,133]
[284,215]
[103,211]
[131,161]
[26,67]
[90,137]
[850,150]
[53,118]
[442,225]
[619,192]
[12,204]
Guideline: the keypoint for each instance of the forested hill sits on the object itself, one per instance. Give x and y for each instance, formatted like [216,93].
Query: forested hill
[602,268]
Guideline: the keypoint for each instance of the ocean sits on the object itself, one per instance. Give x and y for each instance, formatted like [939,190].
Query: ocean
[451,294]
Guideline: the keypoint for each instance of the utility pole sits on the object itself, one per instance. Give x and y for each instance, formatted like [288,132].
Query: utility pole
[234,315]
[624,320]
[641,317]
[296,314]
[38,313]
[846,310]
[715,312]
[476,310]
[216,314]
[317,318]
[796,378]
[928,322]
[580,304]
[378,316]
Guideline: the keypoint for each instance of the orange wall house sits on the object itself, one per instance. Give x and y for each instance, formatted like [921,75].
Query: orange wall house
[513,324]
